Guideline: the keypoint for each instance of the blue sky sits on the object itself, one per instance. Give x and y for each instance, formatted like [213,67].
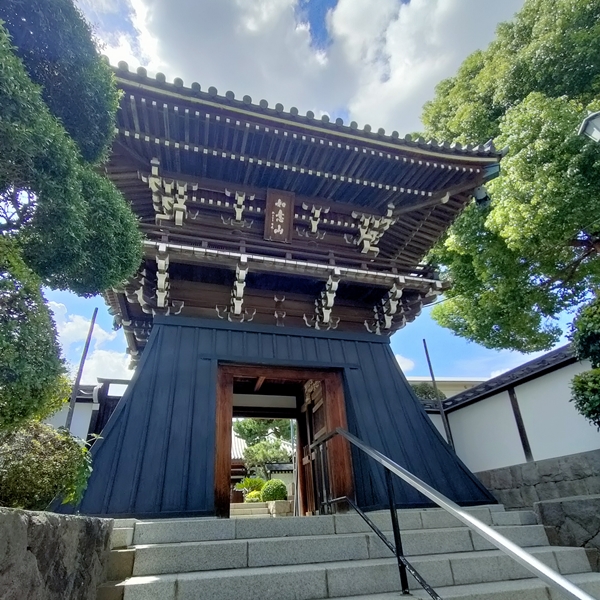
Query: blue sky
[373,62]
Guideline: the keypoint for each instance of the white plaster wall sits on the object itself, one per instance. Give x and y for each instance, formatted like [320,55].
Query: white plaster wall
[486,435]
[439,425]
[554,428]
[80,423]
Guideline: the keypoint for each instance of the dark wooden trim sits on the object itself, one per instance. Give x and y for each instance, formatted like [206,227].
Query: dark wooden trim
[224,417]
[520,424]
[340,464]
[273,372]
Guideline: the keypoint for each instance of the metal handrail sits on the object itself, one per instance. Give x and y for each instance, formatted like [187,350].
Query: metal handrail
[532,564]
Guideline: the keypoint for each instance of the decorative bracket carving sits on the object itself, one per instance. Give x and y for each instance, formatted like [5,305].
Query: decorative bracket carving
[314,220]
[324,305]
[239,206]
[279,312]
[235,311]
[169,197]
[385,311]
[370,230]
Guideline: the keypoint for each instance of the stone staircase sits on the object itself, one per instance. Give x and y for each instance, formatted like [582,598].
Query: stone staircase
[250,510]
[312,558]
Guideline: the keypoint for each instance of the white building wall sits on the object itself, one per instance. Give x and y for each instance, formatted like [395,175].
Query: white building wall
[437,421]
[553,425]
[80,423]
[485,434]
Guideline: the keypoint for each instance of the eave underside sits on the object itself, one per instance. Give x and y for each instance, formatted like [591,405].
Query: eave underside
[213,153]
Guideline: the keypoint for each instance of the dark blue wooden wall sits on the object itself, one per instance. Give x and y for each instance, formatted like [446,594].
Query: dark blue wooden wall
[156,455]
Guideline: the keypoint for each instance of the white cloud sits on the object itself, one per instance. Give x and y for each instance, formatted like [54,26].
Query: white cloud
[406,364]
[382,64]
[74,328]
[106,363]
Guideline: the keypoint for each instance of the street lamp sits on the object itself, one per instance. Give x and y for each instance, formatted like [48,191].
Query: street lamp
[591,126]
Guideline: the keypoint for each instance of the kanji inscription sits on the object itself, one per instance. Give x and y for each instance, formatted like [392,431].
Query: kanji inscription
[279,216]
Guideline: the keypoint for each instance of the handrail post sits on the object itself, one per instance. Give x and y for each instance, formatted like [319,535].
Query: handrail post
[396,528]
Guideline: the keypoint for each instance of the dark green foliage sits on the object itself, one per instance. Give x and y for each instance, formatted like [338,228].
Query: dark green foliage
[586,395]
[38,463]
[250,484]
[76,230]
[32,381]
[532,254]
[426,391]
[254,496]
[253,431]
[585,333]
[263,453]
[274,489]
[56,46]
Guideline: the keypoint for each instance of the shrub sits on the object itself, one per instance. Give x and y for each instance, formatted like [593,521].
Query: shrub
[274,490]
[250,484]
[37,463]
[586,395]
[254,496]
[585,333]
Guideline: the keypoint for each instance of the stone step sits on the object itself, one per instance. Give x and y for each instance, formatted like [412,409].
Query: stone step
[154,559]
[121,537]
[250,510]
[242,505]
[521,589]
[202,529]
[339,579]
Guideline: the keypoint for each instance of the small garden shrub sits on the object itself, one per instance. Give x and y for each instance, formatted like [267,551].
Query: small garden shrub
[254,496]
[250,484]
[37,463]
[586,395]
[274,490]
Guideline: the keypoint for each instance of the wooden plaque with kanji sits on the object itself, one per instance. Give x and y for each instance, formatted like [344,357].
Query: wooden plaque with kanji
[279,216]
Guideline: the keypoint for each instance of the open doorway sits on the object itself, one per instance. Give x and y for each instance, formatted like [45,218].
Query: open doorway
[313,399]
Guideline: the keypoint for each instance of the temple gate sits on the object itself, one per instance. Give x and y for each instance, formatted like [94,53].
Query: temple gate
[281,251]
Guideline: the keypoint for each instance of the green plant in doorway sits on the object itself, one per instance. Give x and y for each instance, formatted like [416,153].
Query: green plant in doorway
[274,489]
[254,496]
[249,485]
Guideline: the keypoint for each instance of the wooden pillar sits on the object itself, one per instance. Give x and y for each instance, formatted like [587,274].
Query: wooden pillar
[224,416]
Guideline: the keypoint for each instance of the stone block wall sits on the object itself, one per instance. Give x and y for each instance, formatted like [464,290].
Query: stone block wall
[44,556]
[520,486]
[571,521]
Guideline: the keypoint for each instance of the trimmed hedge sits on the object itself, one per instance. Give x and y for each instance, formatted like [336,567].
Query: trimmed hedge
[274,490]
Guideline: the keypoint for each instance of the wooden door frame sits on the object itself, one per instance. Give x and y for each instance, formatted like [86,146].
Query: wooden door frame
[342,479]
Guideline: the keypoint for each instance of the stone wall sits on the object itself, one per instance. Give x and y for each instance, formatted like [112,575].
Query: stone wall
[571,521]
[520,486]
[44,556]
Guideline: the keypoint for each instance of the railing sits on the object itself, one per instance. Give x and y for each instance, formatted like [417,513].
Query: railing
[326,502]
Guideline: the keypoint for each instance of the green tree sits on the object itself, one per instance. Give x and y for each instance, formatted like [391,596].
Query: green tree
[515,265]
[253,431]
[56,46]
[59,209]
[426,391]
[264,453]
[32,373]
[38,463]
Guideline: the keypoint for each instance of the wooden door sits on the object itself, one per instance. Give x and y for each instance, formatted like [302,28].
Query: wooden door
[323,411]
[331,412]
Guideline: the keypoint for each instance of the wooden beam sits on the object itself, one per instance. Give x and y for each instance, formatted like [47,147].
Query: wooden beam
[259,383]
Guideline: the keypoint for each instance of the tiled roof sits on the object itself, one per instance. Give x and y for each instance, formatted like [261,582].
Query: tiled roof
[262,109]
[534,368]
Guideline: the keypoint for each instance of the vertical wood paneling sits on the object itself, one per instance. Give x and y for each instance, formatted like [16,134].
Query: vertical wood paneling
[170,437]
